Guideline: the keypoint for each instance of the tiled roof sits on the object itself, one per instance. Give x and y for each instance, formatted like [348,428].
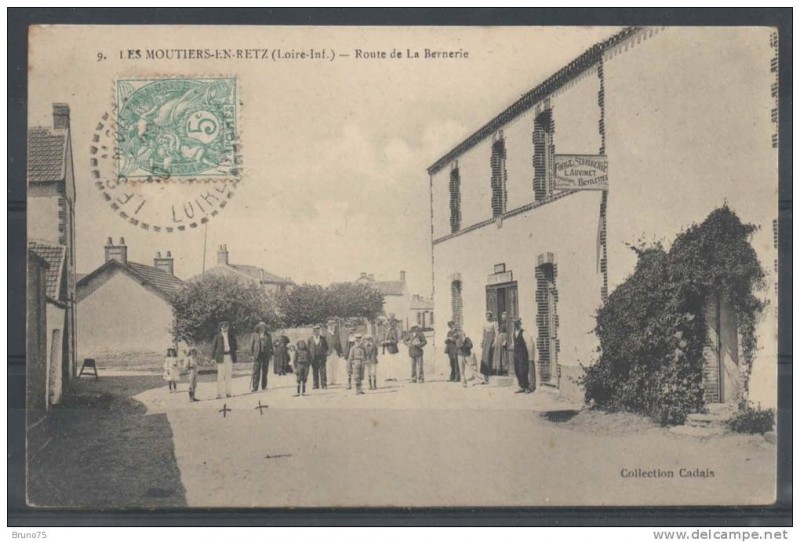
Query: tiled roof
[54,255]
[256,273]
[388,287]
[158,278]
[534,96]
[421,303]
[46,154]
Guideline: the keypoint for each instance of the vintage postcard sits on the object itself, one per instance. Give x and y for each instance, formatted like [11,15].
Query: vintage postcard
[287,266]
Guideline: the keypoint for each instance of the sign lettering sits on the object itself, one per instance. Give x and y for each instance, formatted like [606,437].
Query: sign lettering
[580,171]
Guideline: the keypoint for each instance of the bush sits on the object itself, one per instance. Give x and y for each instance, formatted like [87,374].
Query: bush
[652,330]
[199,305]
[752,420]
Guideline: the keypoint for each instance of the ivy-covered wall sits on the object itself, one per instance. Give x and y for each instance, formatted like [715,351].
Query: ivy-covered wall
[653,329]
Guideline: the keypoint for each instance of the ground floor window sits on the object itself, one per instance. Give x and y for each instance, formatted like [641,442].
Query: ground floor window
[547,319]
[457,304]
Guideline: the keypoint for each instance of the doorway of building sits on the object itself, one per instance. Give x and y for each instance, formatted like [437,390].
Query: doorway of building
[725,385]
[503,298]
[54,369]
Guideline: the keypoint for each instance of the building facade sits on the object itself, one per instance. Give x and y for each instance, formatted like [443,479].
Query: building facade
[396,299]
[51,234]
[124,308]
[36,392]
[421,309]
[534,214]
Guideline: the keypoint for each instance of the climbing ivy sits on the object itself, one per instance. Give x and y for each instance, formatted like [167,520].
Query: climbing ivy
[652,329]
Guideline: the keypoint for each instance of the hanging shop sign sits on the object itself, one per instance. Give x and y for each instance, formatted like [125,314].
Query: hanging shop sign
[580,172]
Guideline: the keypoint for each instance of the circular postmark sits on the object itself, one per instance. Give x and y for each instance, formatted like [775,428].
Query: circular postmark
[167,156]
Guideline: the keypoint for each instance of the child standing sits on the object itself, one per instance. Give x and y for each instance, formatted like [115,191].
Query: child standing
[172,373]
[467,362]
[371,362]
[190,366]
[302,361]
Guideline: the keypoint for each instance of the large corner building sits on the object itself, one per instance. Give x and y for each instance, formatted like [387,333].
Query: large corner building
[641,135]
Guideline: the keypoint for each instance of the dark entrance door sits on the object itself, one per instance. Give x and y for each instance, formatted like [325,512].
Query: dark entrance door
[504,298]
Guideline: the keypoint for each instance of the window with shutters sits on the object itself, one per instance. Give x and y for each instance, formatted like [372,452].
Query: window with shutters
[542,154]
[499,177]
[457,304]
[455,199]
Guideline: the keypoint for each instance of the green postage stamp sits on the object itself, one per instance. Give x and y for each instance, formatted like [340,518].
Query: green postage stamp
[177,129]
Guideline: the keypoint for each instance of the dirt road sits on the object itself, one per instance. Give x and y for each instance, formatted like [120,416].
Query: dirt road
[440,444]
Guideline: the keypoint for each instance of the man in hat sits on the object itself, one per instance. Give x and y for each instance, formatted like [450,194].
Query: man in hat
[521,360]
[416,342]
[223,352]
[356,359]
[318,349]
[261,348]
[451,350]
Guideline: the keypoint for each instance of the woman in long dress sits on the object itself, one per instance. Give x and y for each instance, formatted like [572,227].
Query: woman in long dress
[487,343]
[281,356]
[500,353]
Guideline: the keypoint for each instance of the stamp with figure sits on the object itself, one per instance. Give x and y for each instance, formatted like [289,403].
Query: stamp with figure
[177,128]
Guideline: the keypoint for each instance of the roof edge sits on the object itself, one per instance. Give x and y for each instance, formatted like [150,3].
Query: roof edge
[126,268]
[534,96]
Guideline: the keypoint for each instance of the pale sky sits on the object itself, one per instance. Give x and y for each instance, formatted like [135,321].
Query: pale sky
[335,154]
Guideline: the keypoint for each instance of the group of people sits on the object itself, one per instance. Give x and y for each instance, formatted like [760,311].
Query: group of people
[496,343]
[360,351]
[306,356]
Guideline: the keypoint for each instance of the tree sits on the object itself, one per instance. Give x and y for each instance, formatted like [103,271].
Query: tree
[304,305]
[199,306]
[312,304]
[351,300]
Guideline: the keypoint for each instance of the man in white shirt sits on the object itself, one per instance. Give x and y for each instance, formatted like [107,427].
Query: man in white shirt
[223,352]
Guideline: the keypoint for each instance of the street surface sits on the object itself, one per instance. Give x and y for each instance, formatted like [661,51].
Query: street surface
[438,444]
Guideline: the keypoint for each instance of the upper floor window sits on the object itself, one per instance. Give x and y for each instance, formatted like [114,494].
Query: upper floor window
[455,198]
[542,150]
[499,176]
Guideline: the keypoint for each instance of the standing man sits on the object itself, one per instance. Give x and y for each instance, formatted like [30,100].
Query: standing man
[318,348]
[416,342]
[223,352]
[451,349]
[261,348]
[521,358]
[355,360]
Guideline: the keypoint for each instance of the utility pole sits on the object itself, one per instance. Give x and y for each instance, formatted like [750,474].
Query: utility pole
[205,239]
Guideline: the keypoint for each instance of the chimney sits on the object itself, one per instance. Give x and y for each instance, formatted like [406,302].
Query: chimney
[117,252]
[222,255]
[363,275]
[61,116]
[167,263]
[403,277]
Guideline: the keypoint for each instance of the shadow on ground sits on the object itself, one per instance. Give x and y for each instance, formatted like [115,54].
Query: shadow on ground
[99,449]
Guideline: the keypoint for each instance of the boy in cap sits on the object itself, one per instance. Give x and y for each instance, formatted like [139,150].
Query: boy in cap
[371,362]
[190,366]
[356,359]
[416,341]
[302,361]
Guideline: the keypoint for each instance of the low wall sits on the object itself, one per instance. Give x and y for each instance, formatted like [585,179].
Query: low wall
[568,383]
